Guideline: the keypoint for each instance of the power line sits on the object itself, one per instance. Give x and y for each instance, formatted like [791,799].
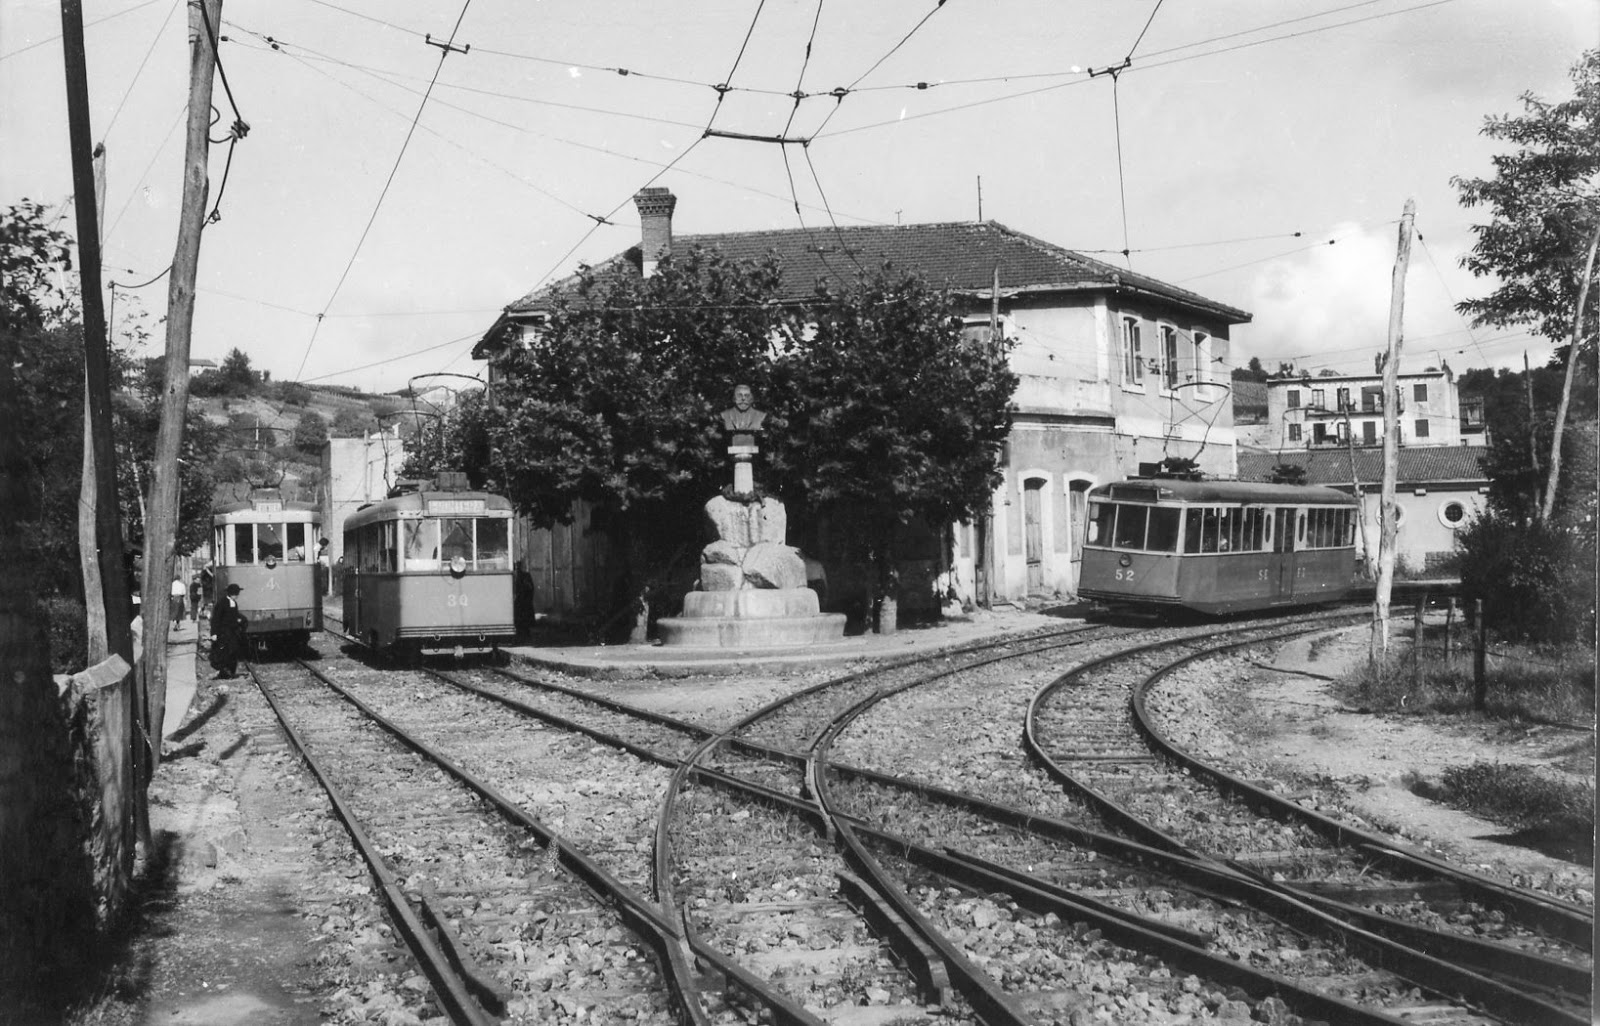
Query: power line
[129,91]
[1148,22]
[444,52]
[88,25]
[840,93]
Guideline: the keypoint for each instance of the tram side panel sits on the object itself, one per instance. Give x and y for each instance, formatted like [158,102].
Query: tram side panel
[1128,578]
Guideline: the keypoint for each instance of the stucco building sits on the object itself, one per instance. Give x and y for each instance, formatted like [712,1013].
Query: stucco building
[1117,369]
[356,471]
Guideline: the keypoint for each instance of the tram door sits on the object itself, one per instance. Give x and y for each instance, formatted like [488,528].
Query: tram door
[1283,547]
[1032,517]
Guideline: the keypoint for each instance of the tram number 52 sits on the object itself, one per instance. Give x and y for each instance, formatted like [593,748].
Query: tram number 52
[1124,575]
[456,601]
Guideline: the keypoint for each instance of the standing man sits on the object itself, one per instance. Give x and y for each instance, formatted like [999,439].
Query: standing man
[227,634]
[324,568]
[180,591]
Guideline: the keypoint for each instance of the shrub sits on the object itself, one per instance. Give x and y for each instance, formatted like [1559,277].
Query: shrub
[1521,797]
[69,634]
[1536,580]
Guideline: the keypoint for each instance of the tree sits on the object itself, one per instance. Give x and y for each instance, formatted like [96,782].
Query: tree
[353,422]
[311,433]
[894,417]
[1253,372]
[236,373]
[1544,200]
[1516,481]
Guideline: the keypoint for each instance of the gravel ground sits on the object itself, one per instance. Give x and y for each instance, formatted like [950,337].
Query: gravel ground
[255,911]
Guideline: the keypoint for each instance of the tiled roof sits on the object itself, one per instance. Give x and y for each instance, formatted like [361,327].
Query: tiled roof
[959,255]
[1250,395]
[1417,465]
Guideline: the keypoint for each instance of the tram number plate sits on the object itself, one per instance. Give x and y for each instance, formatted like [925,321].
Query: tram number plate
[1124,575]
[1261,575]
[272,584]
[458,601]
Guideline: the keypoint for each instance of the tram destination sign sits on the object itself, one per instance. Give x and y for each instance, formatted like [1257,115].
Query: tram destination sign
[454,507]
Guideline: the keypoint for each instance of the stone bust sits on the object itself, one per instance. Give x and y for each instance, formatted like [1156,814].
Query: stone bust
[742,421]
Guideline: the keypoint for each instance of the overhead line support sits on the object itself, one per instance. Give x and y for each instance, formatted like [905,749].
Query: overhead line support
[782,140]
[445,45]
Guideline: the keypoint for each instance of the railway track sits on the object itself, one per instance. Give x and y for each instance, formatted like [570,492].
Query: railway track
[762,872]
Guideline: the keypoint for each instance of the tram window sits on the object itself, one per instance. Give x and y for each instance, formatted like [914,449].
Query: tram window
[389,550]
[269,542]
[1191,530]
[1225,530]
[1349,528]
[1208,531]
[1130,527]
[455,540]
[422,544]
[244,544]
[219,542]
[1254,529]
[1101,514]
[1163,536]
[1300,527]
[294,536]
[494,545]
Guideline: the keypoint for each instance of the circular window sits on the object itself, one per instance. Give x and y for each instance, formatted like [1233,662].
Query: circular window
[1453,514]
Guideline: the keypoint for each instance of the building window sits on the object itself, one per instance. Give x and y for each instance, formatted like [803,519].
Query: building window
[1341,430]
[1169,355]
[1422,428]
[1453,514]
[1371,398]
[1419,393]
[1202,357]
[1369,431]
[1132,357]
[1343,397]
[1294,432]
[1294,398]
[1319,399]
[1319,433]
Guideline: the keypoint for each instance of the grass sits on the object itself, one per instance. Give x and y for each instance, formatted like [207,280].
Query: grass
[1548,812]
[1537,685]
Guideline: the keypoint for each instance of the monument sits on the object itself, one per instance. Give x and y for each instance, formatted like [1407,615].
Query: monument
[752,591]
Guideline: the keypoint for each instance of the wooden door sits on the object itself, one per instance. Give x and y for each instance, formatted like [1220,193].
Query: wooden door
[1033,532]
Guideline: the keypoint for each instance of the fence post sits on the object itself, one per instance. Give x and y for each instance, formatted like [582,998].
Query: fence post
[1480,679]
[1416,643]
[1449,627]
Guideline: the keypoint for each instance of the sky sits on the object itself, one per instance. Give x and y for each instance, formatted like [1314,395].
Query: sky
[392,197]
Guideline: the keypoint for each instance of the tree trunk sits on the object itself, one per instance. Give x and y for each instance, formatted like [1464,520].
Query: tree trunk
[160,529]
[94,599]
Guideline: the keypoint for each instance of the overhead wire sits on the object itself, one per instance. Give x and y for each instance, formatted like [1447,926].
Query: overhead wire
[87,25]
[136,75]
[843,91]
[444,52]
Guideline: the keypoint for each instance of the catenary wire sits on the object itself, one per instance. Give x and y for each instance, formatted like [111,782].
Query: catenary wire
[152,49]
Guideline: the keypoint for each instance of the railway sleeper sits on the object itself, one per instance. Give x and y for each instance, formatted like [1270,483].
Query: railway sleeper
[917,956]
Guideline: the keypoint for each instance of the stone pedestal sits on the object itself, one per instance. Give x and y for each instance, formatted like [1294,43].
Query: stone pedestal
[752,585]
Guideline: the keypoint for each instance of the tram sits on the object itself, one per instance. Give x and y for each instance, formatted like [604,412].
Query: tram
[268,548]
[1217,547]
[429,569]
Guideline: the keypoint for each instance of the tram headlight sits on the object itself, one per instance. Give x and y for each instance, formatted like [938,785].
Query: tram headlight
[272,561]
[458,565]
[1125,561]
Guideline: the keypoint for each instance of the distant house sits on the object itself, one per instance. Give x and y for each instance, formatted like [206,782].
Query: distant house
[1117,369]
[355,471]
[199,365]
[1317,413]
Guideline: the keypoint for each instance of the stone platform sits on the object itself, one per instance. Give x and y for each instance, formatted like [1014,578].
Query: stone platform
[751,618]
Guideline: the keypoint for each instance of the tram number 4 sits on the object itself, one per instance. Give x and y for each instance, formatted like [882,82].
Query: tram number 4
[272,584]
[1124,575]
[456,600]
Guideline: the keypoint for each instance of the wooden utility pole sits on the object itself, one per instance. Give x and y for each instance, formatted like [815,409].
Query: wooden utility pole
[162,521]
[1388,527]
[94,603]
[97,364]
[1566,386]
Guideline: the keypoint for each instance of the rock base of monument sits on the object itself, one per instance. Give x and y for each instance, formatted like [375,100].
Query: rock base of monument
[752,593]
[751,618]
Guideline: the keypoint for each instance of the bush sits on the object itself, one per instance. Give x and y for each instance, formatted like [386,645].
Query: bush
[69,635]
[1536,580]
[1521,797]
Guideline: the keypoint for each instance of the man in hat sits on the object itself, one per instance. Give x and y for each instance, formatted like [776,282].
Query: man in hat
[227,634]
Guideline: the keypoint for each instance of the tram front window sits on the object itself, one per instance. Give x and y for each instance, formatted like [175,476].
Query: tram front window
[269,542]
[244,544]
[456,540]
[422,544]
[295,535]
[1163,536]
[1130,527]
[494,545]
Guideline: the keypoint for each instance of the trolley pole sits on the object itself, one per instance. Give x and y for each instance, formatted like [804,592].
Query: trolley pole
[161,527]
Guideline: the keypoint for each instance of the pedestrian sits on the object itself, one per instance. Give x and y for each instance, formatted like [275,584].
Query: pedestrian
[227,634]
[324,568]
[180,591]
[207,581]
[196,595]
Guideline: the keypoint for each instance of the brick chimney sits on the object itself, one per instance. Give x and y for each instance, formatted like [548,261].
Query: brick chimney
[655,222]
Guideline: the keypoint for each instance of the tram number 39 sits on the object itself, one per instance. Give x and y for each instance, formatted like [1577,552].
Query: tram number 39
[456,601]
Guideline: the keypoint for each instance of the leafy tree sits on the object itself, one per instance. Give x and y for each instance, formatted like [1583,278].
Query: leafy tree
[462,438]
[1536,578]
[1544,199]
[1253,372]
[236,371]
[1517,472]
[353,422]
[311,433]
[894,418]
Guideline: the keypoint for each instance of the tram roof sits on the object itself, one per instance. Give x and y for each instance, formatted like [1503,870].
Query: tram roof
[428,504]
[1242,492]
[269,510]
